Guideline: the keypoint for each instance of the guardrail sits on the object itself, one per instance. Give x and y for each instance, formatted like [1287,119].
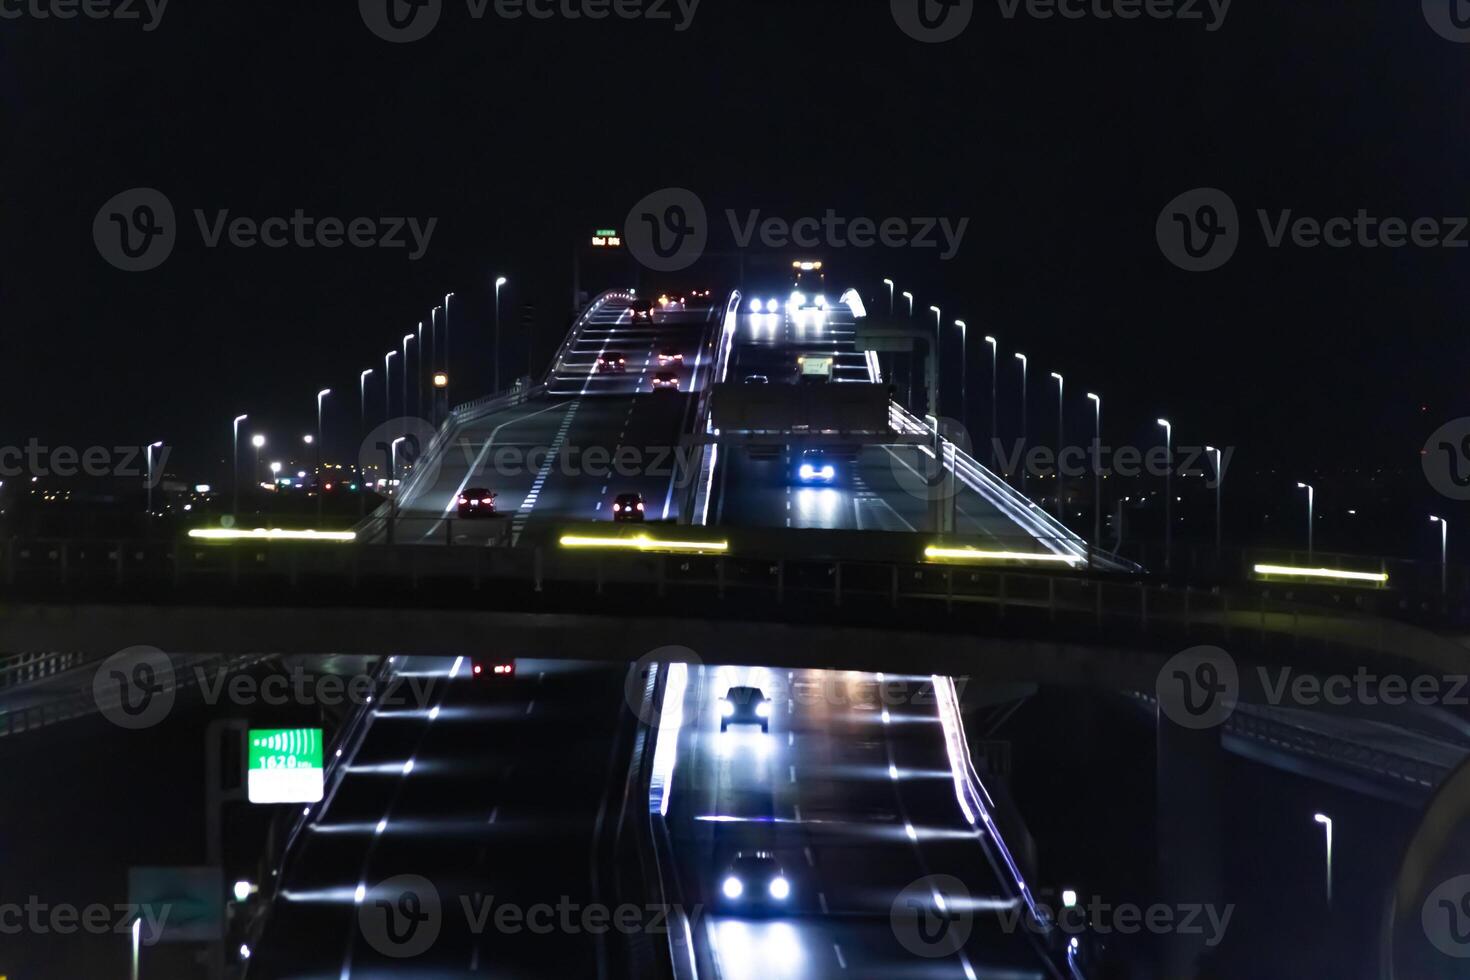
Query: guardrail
[695,508]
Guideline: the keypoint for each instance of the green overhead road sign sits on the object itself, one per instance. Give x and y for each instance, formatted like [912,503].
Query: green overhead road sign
[285,765]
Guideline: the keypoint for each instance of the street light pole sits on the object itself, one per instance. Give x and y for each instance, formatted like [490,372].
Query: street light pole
[910,298]
[994,400]
[1168,493]
[1326,823]
[1060,436]
[257,441]
[447,369]
[964,373]
[938,336]
[1022,359]
[388,383]
[1444,552]
[499,281]
[1219,489]
[151,447]
[1096,474]
[889,284]
[1311,505]
[404,382]
[362,440]
[235,461]
[320,397]
[418,380]
[393,475]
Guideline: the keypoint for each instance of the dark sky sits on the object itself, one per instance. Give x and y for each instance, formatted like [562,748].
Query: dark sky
[1061,141]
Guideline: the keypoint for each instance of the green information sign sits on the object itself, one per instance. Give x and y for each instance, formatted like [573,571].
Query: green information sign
[285,765]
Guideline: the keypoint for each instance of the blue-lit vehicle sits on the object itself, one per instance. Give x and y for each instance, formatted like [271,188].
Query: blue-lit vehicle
[745,706]
[755,879]
[815,468]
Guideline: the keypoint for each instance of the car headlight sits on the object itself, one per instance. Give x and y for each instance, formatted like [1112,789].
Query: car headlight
[763,710]
[733,888]
[821,302]
[756,306]
[826,472]
[726,708]
[807,471]
[780,889]
[798,299]
[772,306]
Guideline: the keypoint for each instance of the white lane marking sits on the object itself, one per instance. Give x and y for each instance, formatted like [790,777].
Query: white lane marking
[840,961]
[811,859]
[518,523]
[791,770]
[796,809]
[790,739]
[531,707]
[822,899]
[494,812]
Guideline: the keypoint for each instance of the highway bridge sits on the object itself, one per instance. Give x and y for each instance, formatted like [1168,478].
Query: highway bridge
[597,775]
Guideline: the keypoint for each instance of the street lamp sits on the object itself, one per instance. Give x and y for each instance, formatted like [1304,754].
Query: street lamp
[994,411]
[1311,500]
[938,334]
[308,438]
[889,284]
[320,397]
[447,298]
[1168,492]
[1022,359]
[1326,823]
[1096,473]
[362,438]
[257,441]
[392,475]
[910,298]
[235,460]
[499,281]
[151,447]
[404,381]
[1219,489]
[418,380]
[1444,552]
[1060,430]
[964,373]
[388,383]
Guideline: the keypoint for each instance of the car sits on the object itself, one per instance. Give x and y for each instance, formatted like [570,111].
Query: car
[628,507]
[807,301]
[642,311]
[755,878]
[759,305]
[611,363]
[477,502]
[670,299]
[757,379]
[699,294]
[670,356]
[666,381]
[815,467]
[745,706]
[503,669]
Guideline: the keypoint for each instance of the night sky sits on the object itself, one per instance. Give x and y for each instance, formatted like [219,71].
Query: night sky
[1061,141]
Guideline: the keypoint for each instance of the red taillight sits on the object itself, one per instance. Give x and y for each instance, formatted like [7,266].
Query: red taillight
[464,500]
[487,501]
[617,507]
[505,668]
[478,668]
[640,506]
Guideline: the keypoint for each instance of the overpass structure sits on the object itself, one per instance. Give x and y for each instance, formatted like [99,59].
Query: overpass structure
[741,575]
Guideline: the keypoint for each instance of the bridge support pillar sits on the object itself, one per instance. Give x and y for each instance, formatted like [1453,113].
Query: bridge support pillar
[1190,775]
